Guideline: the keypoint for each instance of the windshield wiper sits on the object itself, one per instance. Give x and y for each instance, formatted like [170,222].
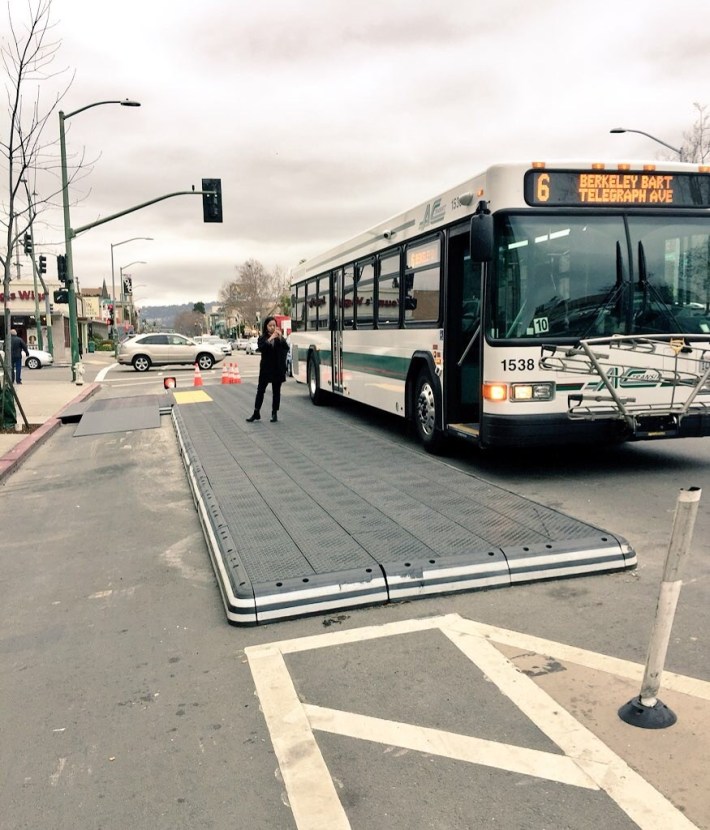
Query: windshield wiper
[611,297]
[652,296]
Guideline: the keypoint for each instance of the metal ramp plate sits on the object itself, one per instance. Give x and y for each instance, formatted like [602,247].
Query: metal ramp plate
[120,415]
[312,514]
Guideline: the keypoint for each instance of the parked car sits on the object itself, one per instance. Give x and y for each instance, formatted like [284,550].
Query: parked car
[164,348]
[241,343]
[36,359]
[252,344]
[225,345]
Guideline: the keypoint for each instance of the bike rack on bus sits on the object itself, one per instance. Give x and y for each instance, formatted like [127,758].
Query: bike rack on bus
[604,357]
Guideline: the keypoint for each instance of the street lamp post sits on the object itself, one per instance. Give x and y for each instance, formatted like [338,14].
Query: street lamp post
[68,232]
[113,285]
[652,137]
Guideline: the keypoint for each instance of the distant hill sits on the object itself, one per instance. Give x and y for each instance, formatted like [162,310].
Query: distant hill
[163,316]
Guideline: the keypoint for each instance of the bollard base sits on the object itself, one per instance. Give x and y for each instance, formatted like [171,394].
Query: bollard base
[658,716]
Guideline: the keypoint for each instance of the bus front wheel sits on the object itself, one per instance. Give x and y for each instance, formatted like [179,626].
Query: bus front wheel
[315,392]
[426,413]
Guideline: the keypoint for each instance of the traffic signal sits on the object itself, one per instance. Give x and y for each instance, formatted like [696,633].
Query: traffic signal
[42,264]
[212,202]
[27,241]
[62,268]
[110,315]
[61,296]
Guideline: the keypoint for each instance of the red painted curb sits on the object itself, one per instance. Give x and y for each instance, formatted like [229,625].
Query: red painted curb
[14,457]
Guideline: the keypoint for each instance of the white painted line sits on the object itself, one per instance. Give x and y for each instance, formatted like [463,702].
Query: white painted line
[451,745]
[358,635]
[642,802]
[587,762]
[102,374]
[311,793]
[589,659]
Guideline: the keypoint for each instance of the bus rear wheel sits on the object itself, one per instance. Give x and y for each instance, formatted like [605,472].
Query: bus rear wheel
[426,414]
[315,392]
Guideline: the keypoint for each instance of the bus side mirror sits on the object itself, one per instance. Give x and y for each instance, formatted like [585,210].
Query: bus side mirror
[481,237]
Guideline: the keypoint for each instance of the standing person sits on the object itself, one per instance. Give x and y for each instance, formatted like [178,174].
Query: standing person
[17,347]
[272,369]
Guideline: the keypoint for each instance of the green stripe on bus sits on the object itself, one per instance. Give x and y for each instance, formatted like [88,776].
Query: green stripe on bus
[378,364]
[371,364]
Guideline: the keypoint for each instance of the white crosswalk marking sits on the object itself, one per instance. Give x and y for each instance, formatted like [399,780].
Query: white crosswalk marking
[587,762]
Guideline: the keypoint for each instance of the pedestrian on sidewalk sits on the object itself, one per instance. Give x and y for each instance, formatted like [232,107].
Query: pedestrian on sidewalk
[272,370]
[17,347]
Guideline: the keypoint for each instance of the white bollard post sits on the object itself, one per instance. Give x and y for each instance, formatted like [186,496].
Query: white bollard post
[646,710]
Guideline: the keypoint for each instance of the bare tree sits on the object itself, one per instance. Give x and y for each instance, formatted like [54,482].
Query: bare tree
[27,56]
[191,323]
[696,142]
[255,293]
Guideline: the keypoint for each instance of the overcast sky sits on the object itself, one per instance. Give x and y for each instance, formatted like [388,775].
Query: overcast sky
[325,117]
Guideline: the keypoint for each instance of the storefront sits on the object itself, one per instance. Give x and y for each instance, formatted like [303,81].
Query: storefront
[35,318]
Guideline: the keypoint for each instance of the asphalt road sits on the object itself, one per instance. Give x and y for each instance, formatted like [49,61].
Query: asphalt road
[129,701]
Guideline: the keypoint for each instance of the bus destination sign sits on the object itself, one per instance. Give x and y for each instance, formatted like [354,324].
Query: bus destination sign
[598,188]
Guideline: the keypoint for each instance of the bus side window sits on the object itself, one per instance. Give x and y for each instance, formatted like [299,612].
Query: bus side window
[410,301]
[388,290]
[299,308]
[322,299]
[310,304]
[422,286]
[349,297]
[364,294]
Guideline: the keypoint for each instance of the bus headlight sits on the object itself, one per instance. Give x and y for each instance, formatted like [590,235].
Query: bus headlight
[495,391]
[532,391]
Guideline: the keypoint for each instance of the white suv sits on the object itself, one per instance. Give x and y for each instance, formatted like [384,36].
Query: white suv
[164,348]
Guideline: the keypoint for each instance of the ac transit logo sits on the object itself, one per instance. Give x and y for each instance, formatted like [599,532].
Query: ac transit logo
[621,378]
[435,212]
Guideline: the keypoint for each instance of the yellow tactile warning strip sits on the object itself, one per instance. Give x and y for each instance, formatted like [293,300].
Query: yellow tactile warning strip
[193,396]
[587,761]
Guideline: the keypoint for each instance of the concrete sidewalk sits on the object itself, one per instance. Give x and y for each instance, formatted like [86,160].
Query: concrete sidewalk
[42,404]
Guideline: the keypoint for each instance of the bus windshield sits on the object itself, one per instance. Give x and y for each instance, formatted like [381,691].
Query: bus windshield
[579,276]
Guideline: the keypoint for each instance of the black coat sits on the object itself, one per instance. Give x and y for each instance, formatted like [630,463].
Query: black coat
[273,359]
[17,346]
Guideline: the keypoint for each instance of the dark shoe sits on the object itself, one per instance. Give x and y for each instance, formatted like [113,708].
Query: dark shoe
[274,419]
[255,417]
[19,381]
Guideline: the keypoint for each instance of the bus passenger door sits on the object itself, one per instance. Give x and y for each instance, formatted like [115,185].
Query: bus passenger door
[336,334]
[462,346]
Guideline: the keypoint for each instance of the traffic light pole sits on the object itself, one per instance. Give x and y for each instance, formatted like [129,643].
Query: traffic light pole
[38,319]
[113,216]
[68,235]
[215,193]
[69,232]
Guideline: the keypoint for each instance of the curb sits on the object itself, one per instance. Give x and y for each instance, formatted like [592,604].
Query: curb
[14,457]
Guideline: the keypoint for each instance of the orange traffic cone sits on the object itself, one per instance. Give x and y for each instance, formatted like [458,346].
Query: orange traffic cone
[198,377]
[236,377]
[225,374]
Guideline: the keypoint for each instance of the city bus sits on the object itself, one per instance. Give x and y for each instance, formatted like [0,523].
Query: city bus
[541,303]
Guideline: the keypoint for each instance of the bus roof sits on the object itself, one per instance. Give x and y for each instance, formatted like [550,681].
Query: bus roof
[500,186]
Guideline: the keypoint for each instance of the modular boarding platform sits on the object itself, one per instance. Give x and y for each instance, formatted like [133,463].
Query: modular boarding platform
[314,514]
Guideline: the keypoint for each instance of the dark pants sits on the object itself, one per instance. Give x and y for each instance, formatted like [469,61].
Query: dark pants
[275,390]
[17,370]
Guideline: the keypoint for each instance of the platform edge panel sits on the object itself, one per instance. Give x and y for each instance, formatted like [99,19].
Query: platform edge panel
[234,584]
[472,571]
[605,553]
[320,593]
